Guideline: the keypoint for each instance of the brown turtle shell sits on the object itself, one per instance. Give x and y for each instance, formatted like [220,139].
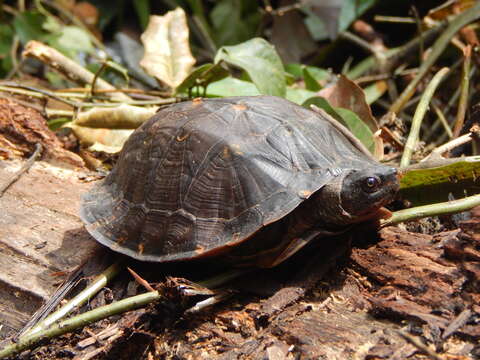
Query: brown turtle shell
[202,176]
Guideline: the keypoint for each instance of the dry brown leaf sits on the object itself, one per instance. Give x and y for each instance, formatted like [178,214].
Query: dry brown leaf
[348,95]
[99,139]
[121,117]
[167,50]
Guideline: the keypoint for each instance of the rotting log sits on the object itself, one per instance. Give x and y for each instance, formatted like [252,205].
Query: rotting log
[41,239]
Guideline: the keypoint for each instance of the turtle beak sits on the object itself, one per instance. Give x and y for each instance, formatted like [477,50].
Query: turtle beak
[391,181]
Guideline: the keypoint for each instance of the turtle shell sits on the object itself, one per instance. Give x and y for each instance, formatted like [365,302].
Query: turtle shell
[202,176]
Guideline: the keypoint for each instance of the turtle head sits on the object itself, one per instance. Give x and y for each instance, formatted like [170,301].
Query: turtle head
[364,192]
[353,196]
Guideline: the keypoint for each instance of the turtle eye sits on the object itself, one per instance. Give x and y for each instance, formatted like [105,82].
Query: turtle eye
[372,183]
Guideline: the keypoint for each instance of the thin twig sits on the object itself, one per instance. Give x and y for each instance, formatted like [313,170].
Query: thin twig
[451,145]
[394,19]
[463,102]
[67,67]
[280,11]
[442,119]
[419,24]
[25,167]
[95,78]
[42,93]
[363,44]
[457,323]
[437,49]
[208,302]
[415,341]
[14,57]
[141,280]
[422,107]
[396,56]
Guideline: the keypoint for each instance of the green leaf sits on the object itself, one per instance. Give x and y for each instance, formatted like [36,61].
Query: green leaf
[298,96]
[227,23]
[295,70]
[228,86]
[347,118]
[262,63]
[202,76]
[315,26]
[51,25]
[460,177]
[71,40]
[358,128]
[317,73]
[6,65]
[142,8]
[57,123]
[351,11]
[325,105]
[6,35]
[310,82]
[313,76]
[28,26]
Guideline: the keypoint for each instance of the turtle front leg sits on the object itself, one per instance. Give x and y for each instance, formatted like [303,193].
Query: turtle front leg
[296,244]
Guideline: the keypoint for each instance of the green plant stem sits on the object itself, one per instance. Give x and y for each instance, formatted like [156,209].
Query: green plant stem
[438,47]
[94,287]
[34,336]
[444,208]
[418,117]
[76,322]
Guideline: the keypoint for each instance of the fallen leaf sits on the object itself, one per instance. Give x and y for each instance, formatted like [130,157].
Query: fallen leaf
[167,50]
[348,95]
[121,117]
[110,140]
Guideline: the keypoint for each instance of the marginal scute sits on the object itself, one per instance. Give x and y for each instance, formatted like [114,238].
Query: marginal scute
[192,181]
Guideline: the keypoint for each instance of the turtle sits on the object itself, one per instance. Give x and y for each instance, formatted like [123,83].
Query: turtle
[250,179]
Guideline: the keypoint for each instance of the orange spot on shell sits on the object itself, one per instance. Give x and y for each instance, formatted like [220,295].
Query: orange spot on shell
[183,137]
[304,194]
[236,237]
[240,107]
[197,101]
[121,239]
[226,153]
